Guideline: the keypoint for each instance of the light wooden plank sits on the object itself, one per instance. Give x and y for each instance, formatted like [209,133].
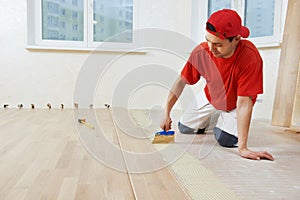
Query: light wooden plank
[296,109]
[42,157]
[16,194]
[288,68]
[100,142]
[68,189]
[150,177]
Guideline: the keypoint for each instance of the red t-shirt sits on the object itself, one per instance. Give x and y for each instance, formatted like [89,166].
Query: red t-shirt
[226,78]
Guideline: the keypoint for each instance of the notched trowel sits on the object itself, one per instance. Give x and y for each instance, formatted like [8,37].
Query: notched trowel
[164,137]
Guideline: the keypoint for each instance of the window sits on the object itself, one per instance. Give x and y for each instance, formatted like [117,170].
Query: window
[82,24]
[262,17]
[218,5]
[111,21]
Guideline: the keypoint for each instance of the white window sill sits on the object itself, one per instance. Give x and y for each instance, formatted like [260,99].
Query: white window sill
[268,45]
[85,49]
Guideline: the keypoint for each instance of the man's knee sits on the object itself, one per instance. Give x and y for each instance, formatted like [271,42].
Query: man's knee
[187,130]
[225,139]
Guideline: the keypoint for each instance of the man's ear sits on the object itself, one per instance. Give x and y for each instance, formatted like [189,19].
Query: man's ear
[238,38]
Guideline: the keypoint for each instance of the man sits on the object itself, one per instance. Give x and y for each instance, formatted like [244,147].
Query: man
[232,69]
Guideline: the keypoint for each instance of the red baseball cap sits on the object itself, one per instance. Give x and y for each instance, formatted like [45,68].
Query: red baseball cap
[227,23]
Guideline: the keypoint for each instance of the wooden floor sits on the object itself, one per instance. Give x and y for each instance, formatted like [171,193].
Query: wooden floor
[47,154]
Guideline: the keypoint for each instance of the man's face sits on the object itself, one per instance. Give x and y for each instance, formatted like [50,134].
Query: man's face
[221,48]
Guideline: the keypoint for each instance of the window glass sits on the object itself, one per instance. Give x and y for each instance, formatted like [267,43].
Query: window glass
[62,20]
[259,17]
[113,21]
[214,5]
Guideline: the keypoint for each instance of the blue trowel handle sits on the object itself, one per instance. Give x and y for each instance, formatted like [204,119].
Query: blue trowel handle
[165,132]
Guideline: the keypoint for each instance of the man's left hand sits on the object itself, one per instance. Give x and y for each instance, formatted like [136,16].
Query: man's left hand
[255,155]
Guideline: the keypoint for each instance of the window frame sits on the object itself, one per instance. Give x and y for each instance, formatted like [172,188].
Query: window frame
[34,31]
[200,13]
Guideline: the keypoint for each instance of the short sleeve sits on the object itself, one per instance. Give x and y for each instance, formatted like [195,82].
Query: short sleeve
[250,81]
[189,73]
[194,67]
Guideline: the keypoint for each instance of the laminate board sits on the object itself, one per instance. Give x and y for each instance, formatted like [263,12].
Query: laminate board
[42,157]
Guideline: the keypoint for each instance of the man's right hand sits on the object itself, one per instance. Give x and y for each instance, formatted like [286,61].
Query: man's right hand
[166,123]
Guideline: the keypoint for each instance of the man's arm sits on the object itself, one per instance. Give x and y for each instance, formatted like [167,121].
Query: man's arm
[244,113]
[174,94]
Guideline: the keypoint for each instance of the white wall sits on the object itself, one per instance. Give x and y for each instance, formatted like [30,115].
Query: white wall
[48,76]
[264,106]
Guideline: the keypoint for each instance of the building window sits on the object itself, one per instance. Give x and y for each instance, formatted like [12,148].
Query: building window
[74,2]
[82,23]
[74,15]
[262,17]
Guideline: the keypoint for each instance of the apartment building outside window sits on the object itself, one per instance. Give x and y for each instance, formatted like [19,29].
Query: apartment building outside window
[81,23]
